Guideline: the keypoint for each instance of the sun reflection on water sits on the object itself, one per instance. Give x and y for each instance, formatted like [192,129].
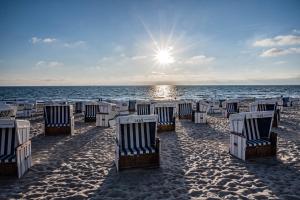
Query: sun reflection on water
[163,92]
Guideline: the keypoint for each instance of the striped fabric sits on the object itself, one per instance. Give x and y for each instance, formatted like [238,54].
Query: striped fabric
[91,110]
[78,107]
[143,109]
[266,107]
[131,106]
[57,116]
[231,108]
[137,138]
[165,115]
[8,144]
[252,131]
[184,109]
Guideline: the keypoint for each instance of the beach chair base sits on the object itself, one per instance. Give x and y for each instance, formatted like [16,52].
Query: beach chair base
[165,127]
[189,117]
[150,160]
[244,153]
[90,119]
[54,131]
[22,164]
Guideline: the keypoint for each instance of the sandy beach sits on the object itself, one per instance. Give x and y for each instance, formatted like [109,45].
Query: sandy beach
[195,164]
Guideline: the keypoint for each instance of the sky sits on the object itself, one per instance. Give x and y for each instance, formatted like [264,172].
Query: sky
[131,42]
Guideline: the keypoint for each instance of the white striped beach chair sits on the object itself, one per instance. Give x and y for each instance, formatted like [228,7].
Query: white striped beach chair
[267,105]
[91,110]
[59,120]
[107,112]
[166,116]
[185,110]
[251,135]
[136,142]
[200,114]
[143,108]
[25,109]
[230,107]
[15,147]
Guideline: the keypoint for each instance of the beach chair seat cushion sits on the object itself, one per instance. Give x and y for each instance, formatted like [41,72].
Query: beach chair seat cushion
[57,116]
[143,109]
[184,109]
[165,115]
[258,142]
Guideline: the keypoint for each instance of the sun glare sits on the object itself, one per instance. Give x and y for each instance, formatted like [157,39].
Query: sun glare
[164,56]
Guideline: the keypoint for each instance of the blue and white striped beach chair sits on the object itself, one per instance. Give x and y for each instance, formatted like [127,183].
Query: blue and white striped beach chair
[231,107]
[267,105]
[59,119]
[200,114]
[91,110]
[166,116]
[251,135]
[107,111]
[185,110]
[15,147]
[136,142]
[131,105]
[143,108]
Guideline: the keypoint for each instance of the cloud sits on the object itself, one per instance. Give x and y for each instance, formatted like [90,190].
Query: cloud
[296,31]
[274,52]
[138,57]
[36,40]
[48,65]
[281,62]
[281,40]
[75,44]
[199,60]
[119,48]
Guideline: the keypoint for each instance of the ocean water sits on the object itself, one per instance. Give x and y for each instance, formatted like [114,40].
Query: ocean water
[145,92]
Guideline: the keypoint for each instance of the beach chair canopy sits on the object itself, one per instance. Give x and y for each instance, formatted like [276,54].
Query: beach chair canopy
[254,126]
[12,134]
[136,134]
[58,115]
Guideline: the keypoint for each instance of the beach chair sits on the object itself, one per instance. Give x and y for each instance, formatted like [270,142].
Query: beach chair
[59,119]
[122,107]
[185,110]
[251,135]
[142,107]
[7,111]
[15,147]
[200,113]
[131,106]
[136,144]
[166,116]
[25,109]
[286,101]
[107,112]
[267,105]
[230,107]
[91,110]
[78,106]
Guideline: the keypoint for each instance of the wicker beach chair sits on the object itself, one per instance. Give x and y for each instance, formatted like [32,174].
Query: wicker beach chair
[107,112]
[267,105]
[59,119]
[136,143]
[7,111]
[90,112]
[230,107]
[200,113]
[166,116]
[185,110]
[142,107]
[15,147]
[251,135]
[25,109]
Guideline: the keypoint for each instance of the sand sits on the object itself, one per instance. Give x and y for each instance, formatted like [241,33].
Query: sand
[195,164]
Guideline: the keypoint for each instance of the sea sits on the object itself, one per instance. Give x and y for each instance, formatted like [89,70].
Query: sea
[154,92]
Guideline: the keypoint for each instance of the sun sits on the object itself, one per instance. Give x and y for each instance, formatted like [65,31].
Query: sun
[164,56]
